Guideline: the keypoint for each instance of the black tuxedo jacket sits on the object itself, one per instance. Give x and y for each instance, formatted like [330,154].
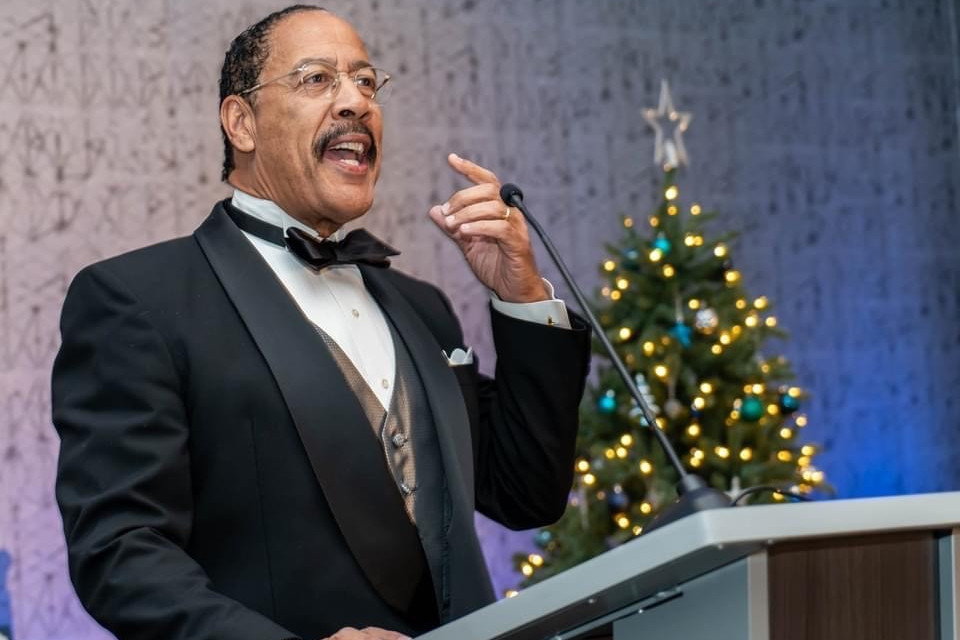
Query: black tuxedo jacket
[219,480]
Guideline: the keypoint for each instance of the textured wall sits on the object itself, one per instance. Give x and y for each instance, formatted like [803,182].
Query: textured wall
[826,131]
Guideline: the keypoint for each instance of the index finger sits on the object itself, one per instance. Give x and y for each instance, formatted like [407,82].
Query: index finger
[472,171]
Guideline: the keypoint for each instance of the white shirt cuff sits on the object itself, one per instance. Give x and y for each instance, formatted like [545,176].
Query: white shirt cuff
[551,312]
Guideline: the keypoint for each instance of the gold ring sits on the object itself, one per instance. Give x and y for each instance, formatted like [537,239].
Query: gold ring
[506,213]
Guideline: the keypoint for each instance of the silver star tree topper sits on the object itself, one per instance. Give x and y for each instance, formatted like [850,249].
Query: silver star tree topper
[669,151]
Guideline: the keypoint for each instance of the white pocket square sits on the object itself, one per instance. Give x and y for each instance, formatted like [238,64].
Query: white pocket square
[459,357]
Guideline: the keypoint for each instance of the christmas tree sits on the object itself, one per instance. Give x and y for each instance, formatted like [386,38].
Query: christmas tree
[677,312]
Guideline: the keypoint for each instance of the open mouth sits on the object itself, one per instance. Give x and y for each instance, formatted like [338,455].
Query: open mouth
[352,152]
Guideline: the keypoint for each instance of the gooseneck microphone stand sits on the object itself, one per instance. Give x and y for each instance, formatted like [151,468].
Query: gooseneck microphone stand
[693,493]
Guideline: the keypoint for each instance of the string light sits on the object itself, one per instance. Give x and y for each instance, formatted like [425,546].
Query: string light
[757,388]
[771,322]
[615,295]
[646,508]
[760,303]
[786,433]
[699,403]
[731,276]
[535,559]
[589,479]
[773,409]
[694,462]
[706,387]
[609,265]
[671,193]
[626,440]
[722,452]
[716,349]
[725,338]
[526,569]
[689,240]
[623,521]
[736,330]
[637,530]
[696,453]
[646,468]
[672,210]
[693,430]
[661,423]
[656,255]
[695,210]
[741,303]
[605,292]
[583,466]
[625,333]
[794,392]
[511,593]
[720,250]
[784,456]
[808,449]
[661,371]
[801,421]
[746,454]
[694,304]
[610,454]
[803,461]
[668,271]
[654,221]
[628,222]
[622,283]
[649,348]
[621,452]
[751,320]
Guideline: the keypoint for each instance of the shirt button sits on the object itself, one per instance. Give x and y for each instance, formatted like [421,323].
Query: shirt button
[406,489]
[385,383]
[355,312]
[398,440]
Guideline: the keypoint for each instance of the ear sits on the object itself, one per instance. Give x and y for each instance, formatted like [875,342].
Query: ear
[236,116]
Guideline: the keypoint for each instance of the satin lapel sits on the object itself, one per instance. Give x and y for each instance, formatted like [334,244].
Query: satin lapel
[439,382]
[345,455]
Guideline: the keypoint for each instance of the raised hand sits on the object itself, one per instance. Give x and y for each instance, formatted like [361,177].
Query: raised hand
[493,237]
[367,633]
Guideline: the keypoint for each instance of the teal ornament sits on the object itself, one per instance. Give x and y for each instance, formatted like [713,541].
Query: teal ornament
[751,409]
[542,538]
[607,402]
[683,334]
[788,404]
[631,258]
[663,244]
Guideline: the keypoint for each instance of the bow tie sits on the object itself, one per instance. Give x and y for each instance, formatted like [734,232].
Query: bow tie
[358,247]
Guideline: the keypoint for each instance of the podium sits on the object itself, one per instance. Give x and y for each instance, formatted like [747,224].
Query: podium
[876,569]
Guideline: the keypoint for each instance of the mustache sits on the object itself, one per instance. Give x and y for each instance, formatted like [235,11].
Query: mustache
[342,129]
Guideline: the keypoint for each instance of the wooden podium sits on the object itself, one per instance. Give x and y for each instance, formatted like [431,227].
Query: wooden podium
[871,569]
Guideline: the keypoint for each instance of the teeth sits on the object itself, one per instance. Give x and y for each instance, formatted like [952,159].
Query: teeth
[356,147]
[355,163]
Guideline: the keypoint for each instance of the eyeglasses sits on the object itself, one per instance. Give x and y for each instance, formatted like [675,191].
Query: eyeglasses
[321,80]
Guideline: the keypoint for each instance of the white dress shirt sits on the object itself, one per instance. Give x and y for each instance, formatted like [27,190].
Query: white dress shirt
[336,300]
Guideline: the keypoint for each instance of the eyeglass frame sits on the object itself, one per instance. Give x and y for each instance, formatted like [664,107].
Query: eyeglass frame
[334,86]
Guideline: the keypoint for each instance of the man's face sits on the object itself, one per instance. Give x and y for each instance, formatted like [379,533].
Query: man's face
[300,160]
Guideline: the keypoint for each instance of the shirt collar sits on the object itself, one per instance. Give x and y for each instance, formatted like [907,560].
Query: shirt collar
[270,212]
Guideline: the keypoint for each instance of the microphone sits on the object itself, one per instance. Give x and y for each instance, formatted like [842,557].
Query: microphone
[693,493]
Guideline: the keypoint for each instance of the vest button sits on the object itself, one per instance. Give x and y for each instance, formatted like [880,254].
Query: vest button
[398,440]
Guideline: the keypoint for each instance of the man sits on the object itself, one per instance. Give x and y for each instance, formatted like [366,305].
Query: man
[260,442]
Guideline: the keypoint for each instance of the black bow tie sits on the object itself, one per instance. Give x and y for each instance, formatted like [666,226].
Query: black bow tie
[358,247]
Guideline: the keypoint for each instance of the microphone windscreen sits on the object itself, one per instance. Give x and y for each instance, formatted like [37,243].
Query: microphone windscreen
[510,191]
